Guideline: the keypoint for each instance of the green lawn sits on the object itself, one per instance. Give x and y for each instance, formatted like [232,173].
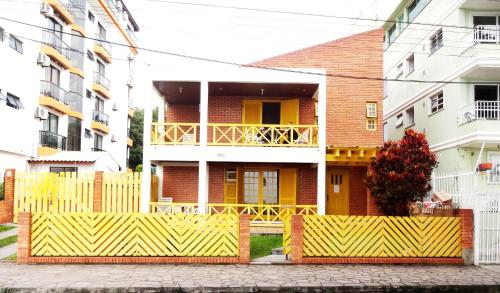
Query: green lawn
[5,228]
[261,245]
[8,241]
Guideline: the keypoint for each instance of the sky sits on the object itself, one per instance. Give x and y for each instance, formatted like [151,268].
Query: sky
[244,36]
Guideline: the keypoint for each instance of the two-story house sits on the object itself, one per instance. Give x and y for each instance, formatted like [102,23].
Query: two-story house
[293,130]
[453,47]
[64,87]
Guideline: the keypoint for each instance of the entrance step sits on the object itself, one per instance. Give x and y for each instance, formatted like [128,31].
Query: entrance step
[277,251]
[270,260]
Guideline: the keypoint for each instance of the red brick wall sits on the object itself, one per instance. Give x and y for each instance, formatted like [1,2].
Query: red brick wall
[357,191]
[181,183]
[7,205]
[182,114]
[307,180]
[467,216]
[216,182]
[357,55]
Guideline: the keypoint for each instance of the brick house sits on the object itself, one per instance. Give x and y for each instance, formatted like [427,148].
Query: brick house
[272,137]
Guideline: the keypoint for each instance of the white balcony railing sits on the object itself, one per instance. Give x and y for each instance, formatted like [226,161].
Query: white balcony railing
[486,34]
[480,110]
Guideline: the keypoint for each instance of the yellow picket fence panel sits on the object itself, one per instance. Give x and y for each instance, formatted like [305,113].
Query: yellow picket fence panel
[53,192]
[134,234]
[121,192]
[371,236]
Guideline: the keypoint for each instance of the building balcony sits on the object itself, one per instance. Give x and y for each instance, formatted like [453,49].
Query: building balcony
[50,143]
[102,48]
[63,7]
[75,101]
[101,85]
[77,60]
[100,121]
[489,34]
[480,110]
[53,96]
[56,49]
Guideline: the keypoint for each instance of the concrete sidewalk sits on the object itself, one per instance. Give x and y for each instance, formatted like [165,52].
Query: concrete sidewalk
[247,278]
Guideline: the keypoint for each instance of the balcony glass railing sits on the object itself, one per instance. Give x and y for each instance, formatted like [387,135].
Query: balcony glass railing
[51,39]
[100,41]
[52,140]
[236,134]
[100,117]
[77,58]
[487,34]
[54,91]
[480,110]
[99,78]
[75,101]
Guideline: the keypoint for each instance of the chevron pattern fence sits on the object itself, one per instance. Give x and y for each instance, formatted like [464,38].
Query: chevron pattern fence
[370,236]
[133,234]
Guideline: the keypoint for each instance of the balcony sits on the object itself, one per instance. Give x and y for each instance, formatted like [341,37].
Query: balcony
[50,143]
[480,110]
[103,48]
[77,60]
[63,7]
[75,101]
[262,135]
[53,96]
[489,34]
[100,121]
[101,85]
[56,49]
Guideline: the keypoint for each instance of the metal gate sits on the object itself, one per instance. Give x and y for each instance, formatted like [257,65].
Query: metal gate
[473,190]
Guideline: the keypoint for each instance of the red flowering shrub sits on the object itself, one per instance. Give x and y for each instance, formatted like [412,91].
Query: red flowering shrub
[401,173]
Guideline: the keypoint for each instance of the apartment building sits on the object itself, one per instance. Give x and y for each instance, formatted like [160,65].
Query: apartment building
[252,138]
[65,83]
[461,114]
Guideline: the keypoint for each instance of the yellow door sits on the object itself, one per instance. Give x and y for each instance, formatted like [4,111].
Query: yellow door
[230,186]
[290,112]
[252,112]
[337,191]
[288,186]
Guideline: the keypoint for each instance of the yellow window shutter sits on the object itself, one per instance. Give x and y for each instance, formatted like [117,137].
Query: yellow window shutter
[290,112]
[288,186]
[252,112]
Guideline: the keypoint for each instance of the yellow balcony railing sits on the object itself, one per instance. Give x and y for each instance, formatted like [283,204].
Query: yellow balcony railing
[263,135]
[175,133]
[260,215]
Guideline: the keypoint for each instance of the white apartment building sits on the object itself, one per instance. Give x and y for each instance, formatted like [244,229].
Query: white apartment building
[66,80]
[461,114]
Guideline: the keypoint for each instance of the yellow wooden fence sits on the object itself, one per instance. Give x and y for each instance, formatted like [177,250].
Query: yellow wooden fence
[370,236]
[121,192]
[175,133]
[134,234]
[53,192]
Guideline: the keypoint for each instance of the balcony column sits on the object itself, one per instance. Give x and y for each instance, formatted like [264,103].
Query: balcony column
[146,159]
[203,165]
[321,199]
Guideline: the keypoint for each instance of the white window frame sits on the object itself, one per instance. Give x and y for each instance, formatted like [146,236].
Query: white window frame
[408,68]
[436,96]
[371,124]
[438,45]
[399,120]
[489,155]
[407,122]
[371,110]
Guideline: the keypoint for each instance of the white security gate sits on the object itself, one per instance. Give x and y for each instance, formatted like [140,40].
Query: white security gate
[472,190]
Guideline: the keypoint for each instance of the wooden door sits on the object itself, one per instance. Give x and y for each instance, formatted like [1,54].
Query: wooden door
[290,112]
[337,191]
[288,186]
[252,112]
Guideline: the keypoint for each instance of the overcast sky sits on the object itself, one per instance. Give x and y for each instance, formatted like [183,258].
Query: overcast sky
[245,36]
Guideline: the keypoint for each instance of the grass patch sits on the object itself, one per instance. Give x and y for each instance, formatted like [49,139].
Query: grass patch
[5,228]
[8,241]
[12,257]
[261,245]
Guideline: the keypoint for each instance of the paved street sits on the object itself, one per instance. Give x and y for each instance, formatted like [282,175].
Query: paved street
[339,278]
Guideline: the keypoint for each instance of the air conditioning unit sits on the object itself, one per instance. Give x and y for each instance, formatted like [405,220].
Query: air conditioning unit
[41,113]
[114,138]
[46,9]
[115,107]
[43,60]
[130,82]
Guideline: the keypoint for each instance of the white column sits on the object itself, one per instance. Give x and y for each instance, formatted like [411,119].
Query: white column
[203,166]
[321,199]
[146,160]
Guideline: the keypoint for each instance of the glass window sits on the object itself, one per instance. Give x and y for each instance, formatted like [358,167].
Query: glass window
[371,110]
[63,169]
[270,187]
[101,68]
[371,124]
[399,120]
[401,22]
[97,142]
[436,41]
[90,55]
[410,117]
[251,187]
[51,124]
[494,158]
[415,8]
[55,27]
[392,34]
[99,104]
[74,139]
[53,75]
[410,63]
[101,31]
[16,44]
[91,16]
[437,102]
[14,102]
